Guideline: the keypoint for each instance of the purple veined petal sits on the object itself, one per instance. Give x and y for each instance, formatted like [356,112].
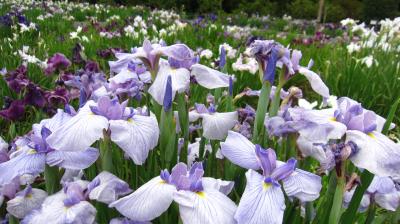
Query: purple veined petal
[364,204]
[376,153]
[70,176]
[75,160]
[9,190]
[317,126]
[180,80]
[309,148]
[208,206]
[123,60]
[109,188]
[223,186]
[316,82]
[147,202]
[194,116]
[125,221]
[208,77]
[260,202]
[388,201]
[136,136]
[177,172]
[21,205]
[302,185]
[382,185]
[124,76]
[217,125]
[222,57]
[200,108]
[53,123]
[80,132]
[33,164]
[266,159]
[285,170]
[179,52]
[240,151]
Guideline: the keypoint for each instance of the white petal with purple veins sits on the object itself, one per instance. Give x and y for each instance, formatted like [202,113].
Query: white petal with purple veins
[109,189]
[22,164]
[240,151]
[217,125]
[206,207]
[376,153]
[21,205]
[76,160]
[147,202]
[302,185]
[389,201]
[260,203]
[136,137]
[80,132]
[208,77]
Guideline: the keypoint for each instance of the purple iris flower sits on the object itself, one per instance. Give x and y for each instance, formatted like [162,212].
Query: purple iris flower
[197,196]
[17,79]
[222,58]
[215,124]
[14,111]
[263,200]
[35,152]
[57,62]
[168,95]
[134,132]
[382,190]
[67,206]
[34,96]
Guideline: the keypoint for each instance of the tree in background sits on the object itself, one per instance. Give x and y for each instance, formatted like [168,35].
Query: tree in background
[375,10]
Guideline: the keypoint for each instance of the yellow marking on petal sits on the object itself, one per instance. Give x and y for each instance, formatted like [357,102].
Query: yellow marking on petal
[130,120]
[201,194]
[173,70]
[371,135]
[162,182]
[332,119]
[32,151]
[29,196]
[266,186]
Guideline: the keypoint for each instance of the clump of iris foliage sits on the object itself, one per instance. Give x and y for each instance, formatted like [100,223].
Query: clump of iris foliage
[132,115]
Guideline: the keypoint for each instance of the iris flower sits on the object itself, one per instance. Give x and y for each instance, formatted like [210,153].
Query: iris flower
[263,200]
[215,124]
[199,198]
[382,190]
[35,152]
[135,133]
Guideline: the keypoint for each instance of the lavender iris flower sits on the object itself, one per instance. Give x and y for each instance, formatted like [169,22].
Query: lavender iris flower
[67,206]
[215,124]
[35,152]
[382,190]
[263,200]
[272,54]
[376,152]
[197,196]
[135,133]
[106,188]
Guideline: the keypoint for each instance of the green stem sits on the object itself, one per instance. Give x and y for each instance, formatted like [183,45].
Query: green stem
[325,205]
[262,106]
[338,198]
[371,213]
[309,211]
[184,124]
[273,110]
[13,220]
[106,153]
[52,179]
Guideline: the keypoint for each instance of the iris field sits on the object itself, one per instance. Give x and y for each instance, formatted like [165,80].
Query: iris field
[136,115]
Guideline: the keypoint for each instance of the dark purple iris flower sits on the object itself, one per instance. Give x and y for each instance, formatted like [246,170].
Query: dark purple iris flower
[57,62]
[14,111]
[34,96]
[17,79]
